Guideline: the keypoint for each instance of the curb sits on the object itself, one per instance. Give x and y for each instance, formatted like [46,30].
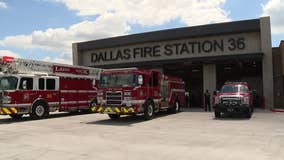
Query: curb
[277,110]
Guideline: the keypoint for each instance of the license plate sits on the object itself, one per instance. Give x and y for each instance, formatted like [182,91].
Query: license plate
[230,109]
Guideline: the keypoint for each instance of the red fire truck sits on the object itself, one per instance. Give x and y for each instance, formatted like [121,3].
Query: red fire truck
[134,91]
[37,88]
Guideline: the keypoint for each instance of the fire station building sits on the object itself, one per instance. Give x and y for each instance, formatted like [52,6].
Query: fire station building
[204,56]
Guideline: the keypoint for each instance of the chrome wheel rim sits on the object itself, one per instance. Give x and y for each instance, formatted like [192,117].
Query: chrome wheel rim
[177,106]
[39,110]
[150,110]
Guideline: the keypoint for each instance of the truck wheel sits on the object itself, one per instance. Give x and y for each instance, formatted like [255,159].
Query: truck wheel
[16,116]
[175,108]
[114,116]
[148,110]
[39,110]
[89,110]
[217,114]
[248,114]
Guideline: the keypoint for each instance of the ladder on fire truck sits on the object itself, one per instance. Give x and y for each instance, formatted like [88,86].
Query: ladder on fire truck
[13,65]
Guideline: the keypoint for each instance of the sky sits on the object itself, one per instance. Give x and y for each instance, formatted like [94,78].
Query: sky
[46,29]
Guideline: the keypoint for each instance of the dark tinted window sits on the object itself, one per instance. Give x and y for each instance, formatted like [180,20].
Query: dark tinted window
[41,84]
[155,80]
[229,89]
[50,84]
[28,81]
[244,89]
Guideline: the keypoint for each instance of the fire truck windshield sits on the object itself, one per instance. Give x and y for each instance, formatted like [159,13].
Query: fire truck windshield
[8,83]
[118,80]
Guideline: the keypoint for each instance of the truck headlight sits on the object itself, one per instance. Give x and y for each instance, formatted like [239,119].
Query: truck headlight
[127,93]
[6,99]
[100,99]
[245,100]
[100,93]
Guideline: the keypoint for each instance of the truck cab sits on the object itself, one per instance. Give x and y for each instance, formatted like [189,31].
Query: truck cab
[234,97]
[19,92]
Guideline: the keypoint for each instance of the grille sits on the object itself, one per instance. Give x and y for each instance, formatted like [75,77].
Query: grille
[231,100]
[113,98]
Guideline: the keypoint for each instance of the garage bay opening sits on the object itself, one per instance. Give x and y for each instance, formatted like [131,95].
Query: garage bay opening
[192,75]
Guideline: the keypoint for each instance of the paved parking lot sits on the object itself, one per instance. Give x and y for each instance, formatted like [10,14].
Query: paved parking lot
[186,135]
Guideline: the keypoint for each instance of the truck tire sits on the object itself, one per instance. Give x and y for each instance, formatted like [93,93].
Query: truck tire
[89,110]
[114,116]
[16,116]
[217,114]
[175,108]
[248,113]
[39,110]
[149,110]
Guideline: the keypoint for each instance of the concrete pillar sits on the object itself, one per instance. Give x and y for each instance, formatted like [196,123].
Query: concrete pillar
[75,54]
[209,78]
[267,68]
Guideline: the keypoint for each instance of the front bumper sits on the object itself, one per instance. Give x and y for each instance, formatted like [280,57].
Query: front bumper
[122,110]
[8,110]
[231,108]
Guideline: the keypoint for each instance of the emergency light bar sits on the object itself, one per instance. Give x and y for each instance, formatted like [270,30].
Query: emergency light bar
[237,82]
[7,59]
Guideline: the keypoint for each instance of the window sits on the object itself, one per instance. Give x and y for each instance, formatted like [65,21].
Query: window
[155,79]
[118,80]
[244,89]
[26,83]
[50,84]
[8,83]
[41,84]
[229,89]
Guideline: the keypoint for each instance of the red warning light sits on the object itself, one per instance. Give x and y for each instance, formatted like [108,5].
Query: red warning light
[8,59]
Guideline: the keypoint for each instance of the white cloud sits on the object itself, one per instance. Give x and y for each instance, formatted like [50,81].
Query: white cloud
[64,58]
[150,12]
[9,53]
[3,5]
[61,39]
[114,17]
[274,9]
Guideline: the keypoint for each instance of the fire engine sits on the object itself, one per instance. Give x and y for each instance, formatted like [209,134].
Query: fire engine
[234,97]
[38,88]
[134,91]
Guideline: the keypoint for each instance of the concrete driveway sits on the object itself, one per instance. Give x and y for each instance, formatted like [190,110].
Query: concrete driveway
[186,135]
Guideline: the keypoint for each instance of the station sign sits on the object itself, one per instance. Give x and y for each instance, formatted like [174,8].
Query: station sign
[244,43]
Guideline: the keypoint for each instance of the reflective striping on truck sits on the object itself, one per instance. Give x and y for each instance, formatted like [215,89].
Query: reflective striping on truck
[118,110]
[7,111]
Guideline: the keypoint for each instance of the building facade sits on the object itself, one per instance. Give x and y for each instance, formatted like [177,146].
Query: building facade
[278,75]
[204,56]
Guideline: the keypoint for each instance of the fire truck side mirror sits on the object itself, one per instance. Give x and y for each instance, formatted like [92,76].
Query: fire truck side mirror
[140,80]
[215,93]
